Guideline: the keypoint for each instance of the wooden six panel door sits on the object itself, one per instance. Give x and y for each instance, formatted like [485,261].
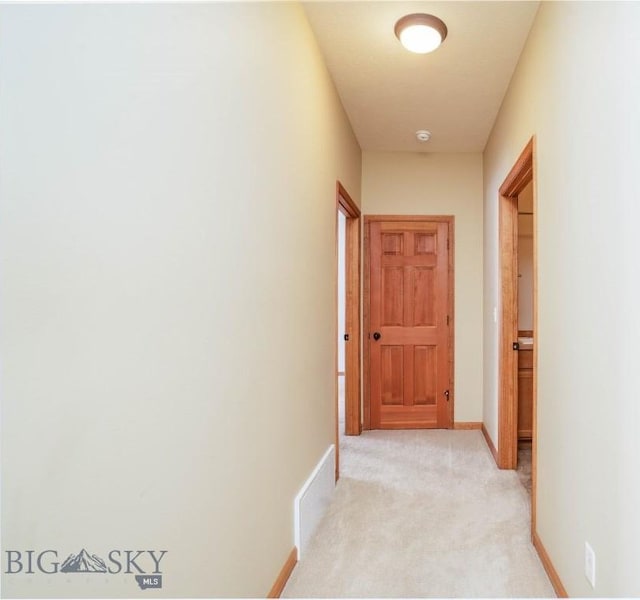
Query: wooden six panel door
[409,324]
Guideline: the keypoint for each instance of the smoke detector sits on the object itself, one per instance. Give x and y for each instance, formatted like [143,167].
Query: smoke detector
[423,135]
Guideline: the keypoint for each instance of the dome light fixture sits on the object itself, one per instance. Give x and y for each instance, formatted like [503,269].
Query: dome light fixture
[420,33]
[423,135]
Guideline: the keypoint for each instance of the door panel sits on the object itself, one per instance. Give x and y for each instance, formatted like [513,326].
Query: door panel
[393,292]
[423,293]
[391,365]
[425,374]
[409,299]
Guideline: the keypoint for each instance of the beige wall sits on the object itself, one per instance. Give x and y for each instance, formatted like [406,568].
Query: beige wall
[525,258]
[525,282]
[441,184]
[576,89]
[167,248]
[525,199]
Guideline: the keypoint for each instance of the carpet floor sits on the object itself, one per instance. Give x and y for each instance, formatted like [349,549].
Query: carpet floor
[421,514]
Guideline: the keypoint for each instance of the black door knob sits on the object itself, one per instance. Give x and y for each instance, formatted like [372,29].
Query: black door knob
[377,335]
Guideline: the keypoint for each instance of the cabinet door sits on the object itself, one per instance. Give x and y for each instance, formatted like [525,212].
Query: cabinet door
[525,398]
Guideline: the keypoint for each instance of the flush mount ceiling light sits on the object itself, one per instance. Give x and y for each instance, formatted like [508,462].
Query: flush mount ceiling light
[423,135]
[420,33]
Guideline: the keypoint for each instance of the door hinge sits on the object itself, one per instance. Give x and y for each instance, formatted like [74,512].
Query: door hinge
[447,319]
[447,244]
[346,337]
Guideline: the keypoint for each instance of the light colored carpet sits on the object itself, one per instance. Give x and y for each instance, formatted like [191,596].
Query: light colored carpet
[422,514]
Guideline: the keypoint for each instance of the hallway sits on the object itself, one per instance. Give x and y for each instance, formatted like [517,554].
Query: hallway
[422,514]
[170,175]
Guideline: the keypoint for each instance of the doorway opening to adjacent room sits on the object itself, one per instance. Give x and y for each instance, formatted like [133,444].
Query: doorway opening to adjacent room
[348,413]
[518,348]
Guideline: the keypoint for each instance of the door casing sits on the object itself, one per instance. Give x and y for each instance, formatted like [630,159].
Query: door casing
[521,174]
[449,219]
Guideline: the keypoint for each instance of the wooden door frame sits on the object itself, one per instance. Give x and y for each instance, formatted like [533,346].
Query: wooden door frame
[368,219]
[521,174]
[353,419]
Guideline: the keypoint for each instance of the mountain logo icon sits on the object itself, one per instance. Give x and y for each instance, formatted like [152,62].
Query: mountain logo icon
[83,563]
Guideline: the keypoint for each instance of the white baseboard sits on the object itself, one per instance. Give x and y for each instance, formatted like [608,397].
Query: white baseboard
[313,499]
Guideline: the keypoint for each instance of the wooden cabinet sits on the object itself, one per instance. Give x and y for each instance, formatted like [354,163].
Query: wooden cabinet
[525,394]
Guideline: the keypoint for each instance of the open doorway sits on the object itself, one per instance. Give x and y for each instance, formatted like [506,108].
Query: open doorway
[343,335]
[526,334]
[518,350]
[348,412]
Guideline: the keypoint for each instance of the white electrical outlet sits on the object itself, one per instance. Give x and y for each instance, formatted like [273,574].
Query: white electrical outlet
[590,564]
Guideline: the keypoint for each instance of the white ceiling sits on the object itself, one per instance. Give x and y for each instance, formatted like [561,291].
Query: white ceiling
[389,93]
